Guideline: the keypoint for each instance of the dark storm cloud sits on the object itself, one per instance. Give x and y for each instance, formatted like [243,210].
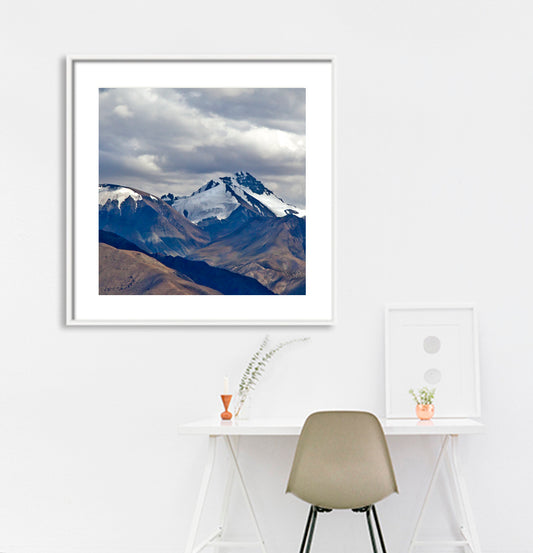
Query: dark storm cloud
[175,140]
[276,108]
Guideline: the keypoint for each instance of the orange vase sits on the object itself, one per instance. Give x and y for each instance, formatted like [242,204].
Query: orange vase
[226,415]
[425,412]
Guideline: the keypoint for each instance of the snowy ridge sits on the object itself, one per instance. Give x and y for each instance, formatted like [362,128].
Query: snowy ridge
[113,192]
[219,199]
[213,202]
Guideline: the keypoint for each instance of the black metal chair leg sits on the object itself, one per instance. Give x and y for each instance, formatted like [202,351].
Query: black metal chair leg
[306,532]
[370,531]
[311,530]
[380,534]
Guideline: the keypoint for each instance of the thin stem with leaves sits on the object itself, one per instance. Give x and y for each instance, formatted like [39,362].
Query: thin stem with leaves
[256,368]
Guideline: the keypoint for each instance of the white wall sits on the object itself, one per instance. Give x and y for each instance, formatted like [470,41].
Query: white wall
[435,119]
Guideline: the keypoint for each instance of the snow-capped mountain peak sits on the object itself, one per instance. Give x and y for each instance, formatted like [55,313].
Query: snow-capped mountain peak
[220,198]
[249,181]
[115,192]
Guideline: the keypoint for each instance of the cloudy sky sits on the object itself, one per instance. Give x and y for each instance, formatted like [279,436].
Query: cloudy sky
[175,140]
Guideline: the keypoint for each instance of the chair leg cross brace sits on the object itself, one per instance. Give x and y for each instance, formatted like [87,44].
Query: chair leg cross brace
[448,451]
[369,510]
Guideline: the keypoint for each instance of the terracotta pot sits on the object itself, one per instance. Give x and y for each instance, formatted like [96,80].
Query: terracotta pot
[425,412]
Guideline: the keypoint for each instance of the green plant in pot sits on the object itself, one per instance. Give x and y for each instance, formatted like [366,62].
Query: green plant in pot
[423,398]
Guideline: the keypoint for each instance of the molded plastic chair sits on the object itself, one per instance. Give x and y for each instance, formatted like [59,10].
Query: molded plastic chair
[342,462]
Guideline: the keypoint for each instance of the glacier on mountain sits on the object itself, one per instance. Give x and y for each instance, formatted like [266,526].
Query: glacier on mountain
[220,198]
[114,192]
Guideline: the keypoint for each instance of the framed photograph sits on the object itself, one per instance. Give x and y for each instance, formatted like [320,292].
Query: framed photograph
[199,191]
[433,346]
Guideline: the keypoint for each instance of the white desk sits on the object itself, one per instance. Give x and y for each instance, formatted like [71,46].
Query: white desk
[230,431]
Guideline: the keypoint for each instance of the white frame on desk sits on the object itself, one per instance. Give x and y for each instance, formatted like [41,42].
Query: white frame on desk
[405,369]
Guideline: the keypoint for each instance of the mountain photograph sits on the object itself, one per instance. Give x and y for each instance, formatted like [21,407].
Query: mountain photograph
[202,192]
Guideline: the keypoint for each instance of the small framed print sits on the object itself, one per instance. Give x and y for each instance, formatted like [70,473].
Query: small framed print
[433,346]
[199,190]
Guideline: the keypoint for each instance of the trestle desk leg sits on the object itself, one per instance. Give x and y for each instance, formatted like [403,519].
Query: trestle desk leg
[240,478]
[428,493]
[465,507]
[200,502]
[227,493]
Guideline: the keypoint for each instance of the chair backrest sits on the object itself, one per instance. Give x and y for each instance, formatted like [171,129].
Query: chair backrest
[342,461]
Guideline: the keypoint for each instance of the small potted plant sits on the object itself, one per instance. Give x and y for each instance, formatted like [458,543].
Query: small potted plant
[424,402]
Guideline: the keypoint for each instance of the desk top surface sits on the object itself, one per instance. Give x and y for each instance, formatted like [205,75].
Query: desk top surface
[292,427]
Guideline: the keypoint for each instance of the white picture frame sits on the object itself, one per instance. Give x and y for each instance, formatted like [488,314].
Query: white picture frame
[85,76]
[435,346]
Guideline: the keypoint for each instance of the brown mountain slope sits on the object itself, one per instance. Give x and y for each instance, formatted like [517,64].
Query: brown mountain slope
[125,272]
[271,250]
